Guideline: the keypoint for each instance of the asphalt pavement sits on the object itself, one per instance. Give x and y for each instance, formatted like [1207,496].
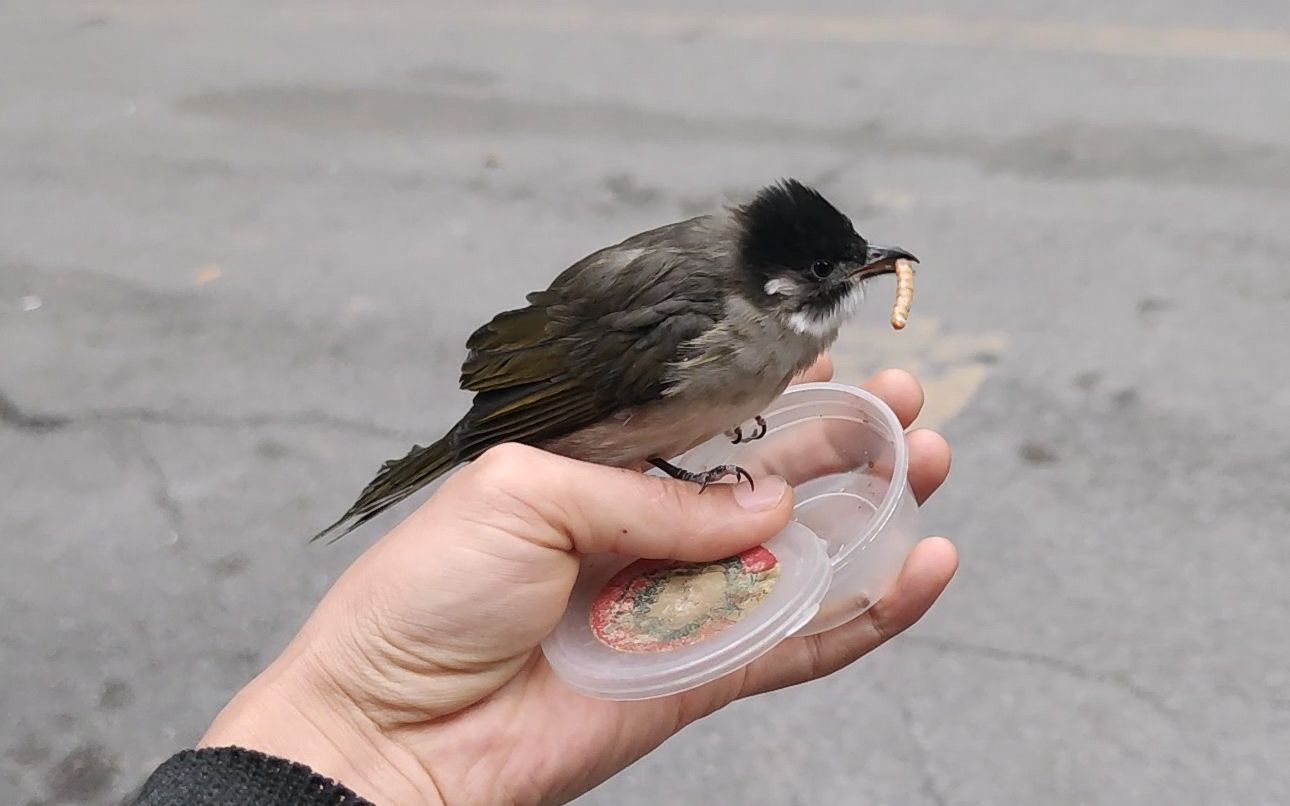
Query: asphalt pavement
[241,248]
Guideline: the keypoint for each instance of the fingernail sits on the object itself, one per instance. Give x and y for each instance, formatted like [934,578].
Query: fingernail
[766,495]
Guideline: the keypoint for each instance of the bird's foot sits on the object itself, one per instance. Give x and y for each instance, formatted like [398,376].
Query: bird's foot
[737,433]
[704,478]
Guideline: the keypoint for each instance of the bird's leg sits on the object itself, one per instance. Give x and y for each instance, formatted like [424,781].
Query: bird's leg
[706,477]
[761,424]
[736,435]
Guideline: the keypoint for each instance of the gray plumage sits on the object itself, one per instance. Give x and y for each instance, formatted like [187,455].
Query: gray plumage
[647,348]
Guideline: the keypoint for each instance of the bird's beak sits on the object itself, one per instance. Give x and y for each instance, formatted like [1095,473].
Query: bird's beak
[881,260]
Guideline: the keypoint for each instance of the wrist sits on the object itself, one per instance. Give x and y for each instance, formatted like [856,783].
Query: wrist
[298,716]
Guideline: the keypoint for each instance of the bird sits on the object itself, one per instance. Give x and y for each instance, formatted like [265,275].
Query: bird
[642,350]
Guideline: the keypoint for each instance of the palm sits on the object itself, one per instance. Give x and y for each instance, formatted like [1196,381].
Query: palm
[546,738]
[543,737]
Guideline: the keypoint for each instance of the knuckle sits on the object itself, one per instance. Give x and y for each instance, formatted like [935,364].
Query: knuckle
[504,464]
[501,473]
[507,489]
[817,662]
[883,628]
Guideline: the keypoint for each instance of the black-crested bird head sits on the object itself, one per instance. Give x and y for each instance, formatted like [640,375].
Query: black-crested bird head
[803,259]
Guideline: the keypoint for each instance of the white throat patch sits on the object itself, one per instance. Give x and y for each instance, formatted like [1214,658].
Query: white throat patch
[823,327]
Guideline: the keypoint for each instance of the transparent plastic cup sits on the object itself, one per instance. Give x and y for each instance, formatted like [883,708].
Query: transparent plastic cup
[843,452]
[854,523]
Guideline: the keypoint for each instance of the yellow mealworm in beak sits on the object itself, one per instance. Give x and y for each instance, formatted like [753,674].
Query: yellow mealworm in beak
[904,294]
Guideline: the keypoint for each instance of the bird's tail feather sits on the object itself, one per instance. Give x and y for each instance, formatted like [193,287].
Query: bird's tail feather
[397,479]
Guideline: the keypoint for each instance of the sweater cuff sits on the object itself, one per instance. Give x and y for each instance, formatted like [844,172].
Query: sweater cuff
[233,776]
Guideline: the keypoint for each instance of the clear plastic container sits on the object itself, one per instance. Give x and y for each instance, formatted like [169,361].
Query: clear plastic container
[854,523]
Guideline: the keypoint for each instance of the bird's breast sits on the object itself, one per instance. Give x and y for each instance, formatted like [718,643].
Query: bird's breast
[663,429]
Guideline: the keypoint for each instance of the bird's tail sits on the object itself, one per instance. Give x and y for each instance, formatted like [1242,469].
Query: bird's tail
[397,479]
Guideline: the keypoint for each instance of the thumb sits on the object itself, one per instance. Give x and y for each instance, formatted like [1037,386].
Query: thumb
[569,505]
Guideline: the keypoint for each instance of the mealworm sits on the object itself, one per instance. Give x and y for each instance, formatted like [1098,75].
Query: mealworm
[904,294]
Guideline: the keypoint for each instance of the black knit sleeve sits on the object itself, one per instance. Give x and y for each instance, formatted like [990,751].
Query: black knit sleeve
[231,776]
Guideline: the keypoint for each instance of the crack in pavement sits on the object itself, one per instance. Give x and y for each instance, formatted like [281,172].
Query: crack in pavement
[13,415]
[163,495]
[1118,680]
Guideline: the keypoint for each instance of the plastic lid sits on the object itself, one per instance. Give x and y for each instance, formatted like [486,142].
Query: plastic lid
[662,659]
[636,629]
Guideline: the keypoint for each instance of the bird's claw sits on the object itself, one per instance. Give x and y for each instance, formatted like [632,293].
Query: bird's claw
[706,477]
[737,433]
[720,472]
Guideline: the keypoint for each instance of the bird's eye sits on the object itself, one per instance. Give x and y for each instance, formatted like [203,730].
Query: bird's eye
[821,268]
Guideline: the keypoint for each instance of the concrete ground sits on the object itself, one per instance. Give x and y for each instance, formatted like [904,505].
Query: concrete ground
[240,250]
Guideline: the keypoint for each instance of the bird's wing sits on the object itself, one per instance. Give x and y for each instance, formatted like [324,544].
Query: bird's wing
[600,339]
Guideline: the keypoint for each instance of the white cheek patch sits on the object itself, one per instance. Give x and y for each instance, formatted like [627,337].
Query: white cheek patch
[778,285]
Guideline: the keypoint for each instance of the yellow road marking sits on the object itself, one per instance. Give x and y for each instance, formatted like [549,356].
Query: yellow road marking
[952,366]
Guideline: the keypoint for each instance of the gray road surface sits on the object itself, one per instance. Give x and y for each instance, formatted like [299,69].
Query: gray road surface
[240,250]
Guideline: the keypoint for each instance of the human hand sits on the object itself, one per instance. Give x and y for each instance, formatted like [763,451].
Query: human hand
[419,678]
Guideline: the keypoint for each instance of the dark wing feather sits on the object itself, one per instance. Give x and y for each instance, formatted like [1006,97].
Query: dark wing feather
[599,339]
